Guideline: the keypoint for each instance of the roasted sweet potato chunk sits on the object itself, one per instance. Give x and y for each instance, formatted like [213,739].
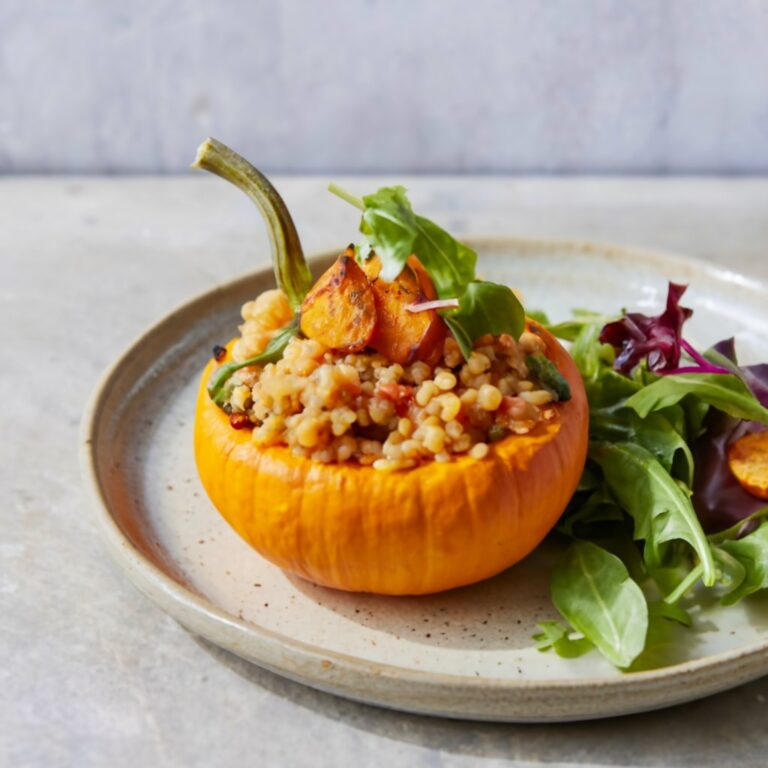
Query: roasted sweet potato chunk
[426,285]
[748,460]
[340,310]
[400,335]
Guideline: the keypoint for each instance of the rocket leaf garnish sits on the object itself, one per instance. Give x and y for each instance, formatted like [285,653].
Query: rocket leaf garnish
[394,231]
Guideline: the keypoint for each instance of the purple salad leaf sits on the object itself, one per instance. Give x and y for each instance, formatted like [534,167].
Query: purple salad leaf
[718,497]
[702,364]
[636,336]
[754,376]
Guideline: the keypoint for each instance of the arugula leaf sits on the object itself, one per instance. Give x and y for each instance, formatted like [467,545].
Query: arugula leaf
[589,480]
[395,232]
[751,552]
[568,330]
[450,264]
[667,578]
[556,636]
[725,392]
[588,353]
[609,391]
[677,418]
[485,308]
[546,372]
[600,507]
[740,529]
[664,610]
[390,227]
[592,590]
[686,583]
[662,511]
[655,433]
[731,572]
[273,352]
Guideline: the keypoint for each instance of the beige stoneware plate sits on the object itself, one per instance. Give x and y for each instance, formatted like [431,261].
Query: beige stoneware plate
[466,653]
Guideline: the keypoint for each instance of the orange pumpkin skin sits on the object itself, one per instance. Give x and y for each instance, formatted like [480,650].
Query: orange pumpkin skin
[416,531]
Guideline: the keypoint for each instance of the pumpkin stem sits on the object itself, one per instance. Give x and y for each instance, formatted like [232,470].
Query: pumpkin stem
[291,271]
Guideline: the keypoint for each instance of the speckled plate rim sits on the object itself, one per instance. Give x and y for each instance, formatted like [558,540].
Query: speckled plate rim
[386,685]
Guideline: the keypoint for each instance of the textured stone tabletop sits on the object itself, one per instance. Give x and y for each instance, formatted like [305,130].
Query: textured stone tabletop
[92,673]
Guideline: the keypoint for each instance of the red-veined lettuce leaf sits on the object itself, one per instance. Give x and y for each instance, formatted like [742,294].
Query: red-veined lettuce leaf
[636,336]
[718,498]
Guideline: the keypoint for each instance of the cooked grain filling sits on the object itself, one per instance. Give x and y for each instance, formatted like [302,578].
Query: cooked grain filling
[335,407]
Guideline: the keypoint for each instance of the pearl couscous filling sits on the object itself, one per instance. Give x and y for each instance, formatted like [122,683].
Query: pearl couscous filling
[335,407]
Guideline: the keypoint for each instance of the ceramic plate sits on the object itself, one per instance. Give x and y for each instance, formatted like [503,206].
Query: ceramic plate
[466,653]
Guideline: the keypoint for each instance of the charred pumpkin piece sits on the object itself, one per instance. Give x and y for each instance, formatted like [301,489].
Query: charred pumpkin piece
[422,278]
[340,311]
[403,336]
[414,274]
[748,460]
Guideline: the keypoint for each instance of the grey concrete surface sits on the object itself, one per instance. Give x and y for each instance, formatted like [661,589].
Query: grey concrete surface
[92,673]
[367,85]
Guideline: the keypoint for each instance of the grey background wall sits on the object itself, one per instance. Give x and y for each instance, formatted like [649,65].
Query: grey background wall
[547,86]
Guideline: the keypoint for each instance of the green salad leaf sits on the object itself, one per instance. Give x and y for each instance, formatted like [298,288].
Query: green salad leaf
[741,528]
[656,433]
[599,507]
[391,229]
[588,353]
[751,552]
[661,509]
[608,391]
[485,308]
[394,231]
[569,330]
[726,392]
[593,591]
[731,572]
[664,610]
[217,386]
[555,635]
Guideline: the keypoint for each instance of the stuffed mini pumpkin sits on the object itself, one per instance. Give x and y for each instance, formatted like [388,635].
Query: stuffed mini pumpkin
[408,431]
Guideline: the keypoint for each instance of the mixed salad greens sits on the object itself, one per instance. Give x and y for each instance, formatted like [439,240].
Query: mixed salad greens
[659,522]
